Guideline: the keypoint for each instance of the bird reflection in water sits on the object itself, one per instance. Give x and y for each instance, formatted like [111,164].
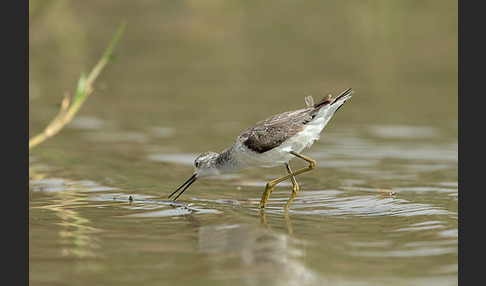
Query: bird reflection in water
[256,255]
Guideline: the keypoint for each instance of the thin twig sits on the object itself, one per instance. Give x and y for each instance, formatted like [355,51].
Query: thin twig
[69,107]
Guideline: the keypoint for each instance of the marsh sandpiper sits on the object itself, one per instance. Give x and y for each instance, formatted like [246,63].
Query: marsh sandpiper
[271,142]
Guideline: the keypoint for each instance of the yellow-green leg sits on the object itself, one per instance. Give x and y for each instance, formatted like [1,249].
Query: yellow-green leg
[271,185]
[295,188]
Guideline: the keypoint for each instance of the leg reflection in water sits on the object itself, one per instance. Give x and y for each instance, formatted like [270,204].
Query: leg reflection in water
[256,256]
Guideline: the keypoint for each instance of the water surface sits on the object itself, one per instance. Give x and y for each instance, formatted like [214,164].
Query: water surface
[380,208]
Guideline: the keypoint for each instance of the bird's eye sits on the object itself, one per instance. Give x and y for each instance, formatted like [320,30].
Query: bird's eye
[196,164]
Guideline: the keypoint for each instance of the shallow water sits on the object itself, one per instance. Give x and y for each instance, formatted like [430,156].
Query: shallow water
[380,208]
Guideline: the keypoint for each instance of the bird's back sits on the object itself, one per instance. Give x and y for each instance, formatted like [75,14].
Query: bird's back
[274,130]
[292,130]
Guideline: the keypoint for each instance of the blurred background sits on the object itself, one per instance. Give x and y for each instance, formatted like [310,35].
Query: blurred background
[190,75]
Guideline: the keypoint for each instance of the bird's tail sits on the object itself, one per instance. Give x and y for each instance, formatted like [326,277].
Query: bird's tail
[343,96]
[329,101]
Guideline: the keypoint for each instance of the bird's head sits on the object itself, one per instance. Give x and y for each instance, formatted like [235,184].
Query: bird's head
[204,166]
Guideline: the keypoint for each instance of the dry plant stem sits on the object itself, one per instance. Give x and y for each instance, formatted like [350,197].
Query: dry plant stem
[70,107]
[56,124]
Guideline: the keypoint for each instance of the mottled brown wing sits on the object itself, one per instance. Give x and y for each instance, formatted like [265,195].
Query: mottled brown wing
[272,131]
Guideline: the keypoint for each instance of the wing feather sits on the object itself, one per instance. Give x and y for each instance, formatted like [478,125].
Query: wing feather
[274,130]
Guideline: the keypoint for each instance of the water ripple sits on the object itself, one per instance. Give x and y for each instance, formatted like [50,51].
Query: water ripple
[328,203]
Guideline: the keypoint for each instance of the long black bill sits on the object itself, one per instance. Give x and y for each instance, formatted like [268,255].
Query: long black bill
[189,182]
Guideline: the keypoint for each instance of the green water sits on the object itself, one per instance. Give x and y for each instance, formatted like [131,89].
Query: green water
[381,207]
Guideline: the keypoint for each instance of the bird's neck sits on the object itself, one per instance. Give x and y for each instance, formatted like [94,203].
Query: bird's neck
[226,161]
